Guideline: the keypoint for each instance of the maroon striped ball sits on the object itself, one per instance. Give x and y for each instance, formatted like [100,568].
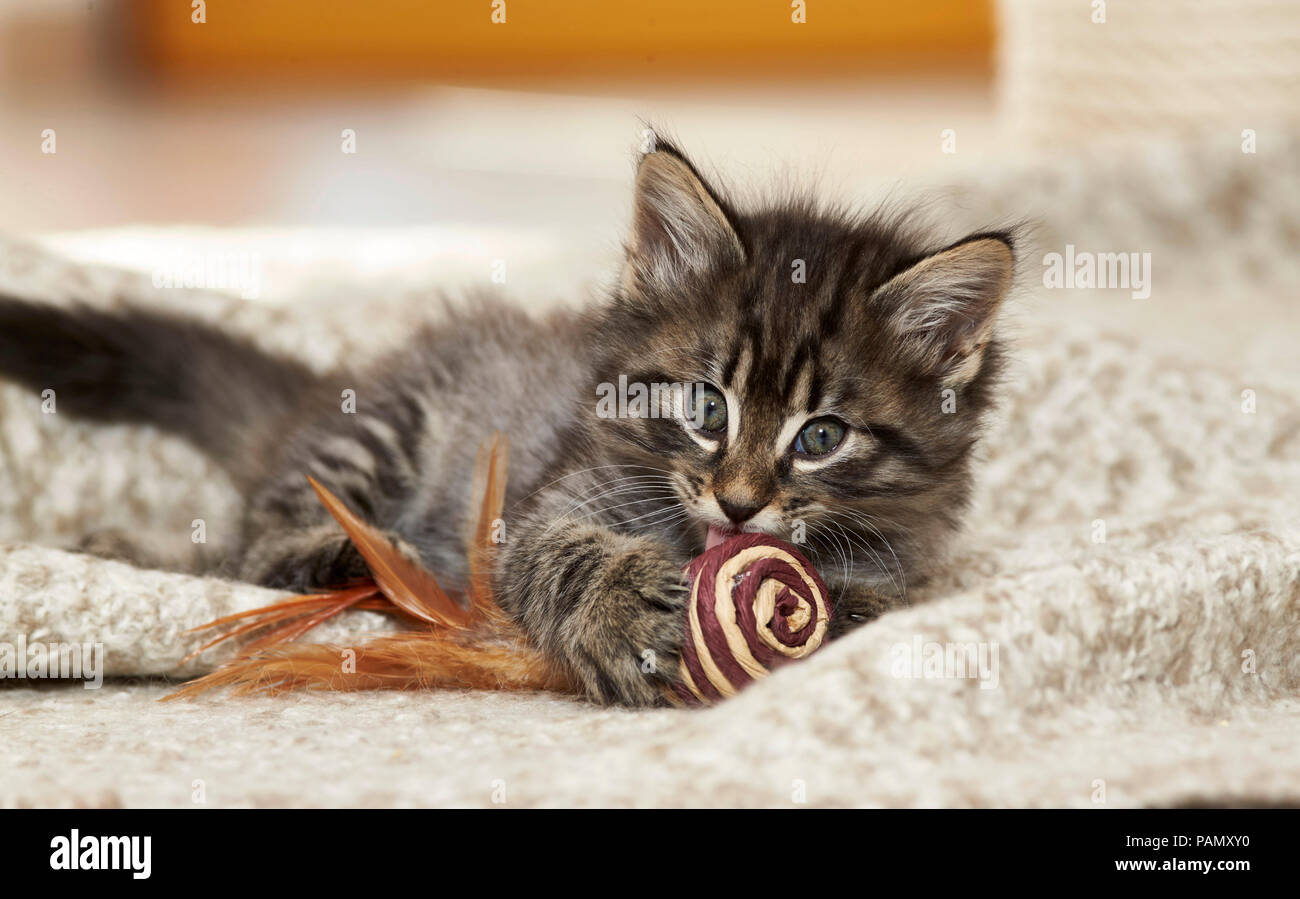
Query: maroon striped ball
[756,603]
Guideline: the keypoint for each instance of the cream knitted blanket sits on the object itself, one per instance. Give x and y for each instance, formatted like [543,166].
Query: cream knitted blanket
[1127,594]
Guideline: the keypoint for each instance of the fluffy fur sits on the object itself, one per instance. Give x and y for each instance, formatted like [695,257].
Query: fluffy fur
[790,314]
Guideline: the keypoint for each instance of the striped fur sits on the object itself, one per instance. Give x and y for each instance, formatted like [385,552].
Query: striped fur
[602,514]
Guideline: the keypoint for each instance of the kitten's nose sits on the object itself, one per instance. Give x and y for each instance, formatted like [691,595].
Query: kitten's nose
[738,512]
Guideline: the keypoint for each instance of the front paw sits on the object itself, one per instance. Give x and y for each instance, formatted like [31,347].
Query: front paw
[624,641]
[855,605]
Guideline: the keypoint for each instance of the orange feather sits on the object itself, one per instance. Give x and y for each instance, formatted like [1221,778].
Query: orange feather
[476,645]
[480,549]
[409,587]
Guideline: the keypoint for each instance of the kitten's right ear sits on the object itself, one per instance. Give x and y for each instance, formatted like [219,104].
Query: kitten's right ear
[679,226]
[943,308]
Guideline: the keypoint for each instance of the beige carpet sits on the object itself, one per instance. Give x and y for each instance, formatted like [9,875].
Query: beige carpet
[1159,665]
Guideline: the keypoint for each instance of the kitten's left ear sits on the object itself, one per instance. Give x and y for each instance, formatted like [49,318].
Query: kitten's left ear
[679,225]
[943,308]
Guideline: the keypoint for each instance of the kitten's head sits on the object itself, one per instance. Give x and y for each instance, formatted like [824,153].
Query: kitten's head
[840,370]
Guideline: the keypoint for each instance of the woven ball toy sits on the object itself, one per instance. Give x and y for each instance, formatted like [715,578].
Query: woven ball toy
[756,603]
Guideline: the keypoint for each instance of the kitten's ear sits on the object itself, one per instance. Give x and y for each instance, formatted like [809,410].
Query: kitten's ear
[943,308]
[678,224]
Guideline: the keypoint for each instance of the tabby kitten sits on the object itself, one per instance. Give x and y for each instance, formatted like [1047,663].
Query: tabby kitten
[838,370]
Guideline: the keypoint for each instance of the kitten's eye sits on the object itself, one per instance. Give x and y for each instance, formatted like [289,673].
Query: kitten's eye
[710,410]
[819,437]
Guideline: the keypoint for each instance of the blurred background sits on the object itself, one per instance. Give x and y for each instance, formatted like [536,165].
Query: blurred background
[237,119]
[507,129]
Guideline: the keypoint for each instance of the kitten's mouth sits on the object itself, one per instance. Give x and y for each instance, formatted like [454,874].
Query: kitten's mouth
[716,535]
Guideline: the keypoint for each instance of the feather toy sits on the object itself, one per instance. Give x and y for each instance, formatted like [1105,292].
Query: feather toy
[468,644]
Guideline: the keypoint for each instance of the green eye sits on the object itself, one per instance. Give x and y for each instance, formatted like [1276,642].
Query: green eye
[710,410]
[819,437]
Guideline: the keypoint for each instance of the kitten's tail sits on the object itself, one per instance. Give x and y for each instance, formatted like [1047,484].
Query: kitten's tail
[134,365]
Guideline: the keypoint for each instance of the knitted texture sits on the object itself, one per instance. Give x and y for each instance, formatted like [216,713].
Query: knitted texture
[1128,584]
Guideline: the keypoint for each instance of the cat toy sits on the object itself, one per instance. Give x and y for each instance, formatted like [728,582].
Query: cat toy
[755,603]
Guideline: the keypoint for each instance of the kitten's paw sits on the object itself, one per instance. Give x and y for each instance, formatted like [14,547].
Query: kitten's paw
[117,544]
[855,605]
[625,641]
[307,560]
